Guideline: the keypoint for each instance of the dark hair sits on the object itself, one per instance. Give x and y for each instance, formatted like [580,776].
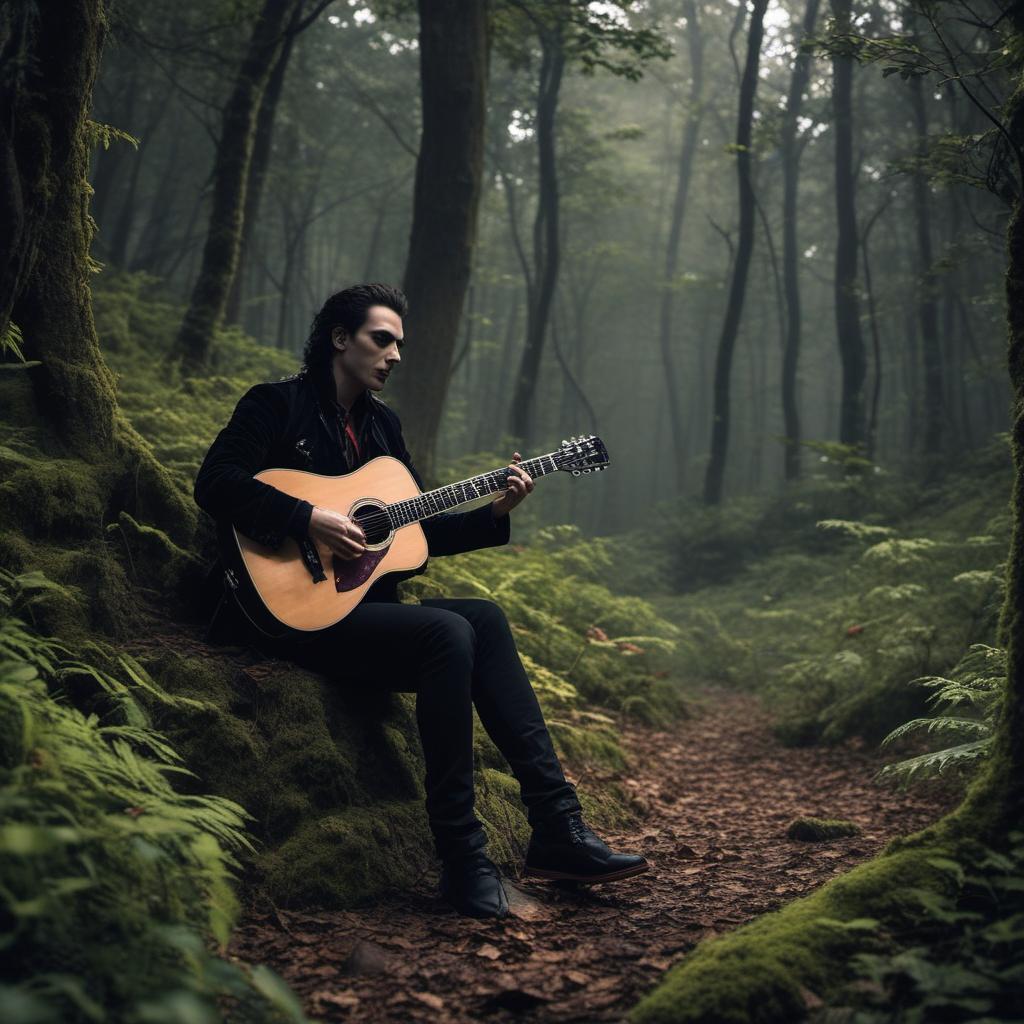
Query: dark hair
[347,309]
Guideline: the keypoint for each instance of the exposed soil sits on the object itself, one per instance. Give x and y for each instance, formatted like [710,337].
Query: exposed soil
[716,795]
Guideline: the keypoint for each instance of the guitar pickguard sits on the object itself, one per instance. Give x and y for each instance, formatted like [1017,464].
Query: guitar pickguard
[354,572]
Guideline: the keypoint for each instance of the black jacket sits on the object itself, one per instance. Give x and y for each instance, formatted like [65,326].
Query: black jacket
[293,424]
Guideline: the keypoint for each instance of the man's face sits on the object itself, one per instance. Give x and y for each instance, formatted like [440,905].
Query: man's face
[369,356]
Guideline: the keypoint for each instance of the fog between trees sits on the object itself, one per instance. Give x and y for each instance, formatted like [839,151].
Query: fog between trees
[870,176]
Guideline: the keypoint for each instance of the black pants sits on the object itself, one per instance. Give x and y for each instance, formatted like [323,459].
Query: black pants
[454,653]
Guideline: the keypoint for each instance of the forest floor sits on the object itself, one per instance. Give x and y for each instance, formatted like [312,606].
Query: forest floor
[716,795]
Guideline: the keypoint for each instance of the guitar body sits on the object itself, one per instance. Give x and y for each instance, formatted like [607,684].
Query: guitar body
[277,588]
[302,587]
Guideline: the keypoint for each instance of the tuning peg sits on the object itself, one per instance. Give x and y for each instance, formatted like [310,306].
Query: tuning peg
[565,444]
[575,472]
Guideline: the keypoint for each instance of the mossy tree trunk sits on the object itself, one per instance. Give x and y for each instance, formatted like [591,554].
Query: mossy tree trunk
[49,67]
[230,176]
[49,64]
[449,170]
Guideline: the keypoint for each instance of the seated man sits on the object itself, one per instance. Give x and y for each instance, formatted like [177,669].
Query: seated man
[454,653]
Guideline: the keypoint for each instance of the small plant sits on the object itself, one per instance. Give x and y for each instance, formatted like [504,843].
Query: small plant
[976,693]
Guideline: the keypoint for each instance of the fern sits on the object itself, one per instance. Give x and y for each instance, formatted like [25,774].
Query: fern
[99,134]
[107,870]
[979,688]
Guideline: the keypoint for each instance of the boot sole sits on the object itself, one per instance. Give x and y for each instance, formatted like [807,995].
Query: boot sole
[568,876]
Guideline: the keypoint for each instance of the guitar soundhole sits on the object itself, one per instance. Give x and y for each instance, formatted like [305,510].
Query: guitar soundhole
[373,521]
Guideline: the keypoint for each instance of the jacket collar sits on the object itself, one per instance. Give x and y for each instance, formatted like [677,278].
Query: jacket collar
[321,383]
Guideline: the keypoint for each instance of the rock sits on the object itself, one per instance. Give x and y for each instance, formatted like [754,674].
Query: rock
[366,958]
[819,830]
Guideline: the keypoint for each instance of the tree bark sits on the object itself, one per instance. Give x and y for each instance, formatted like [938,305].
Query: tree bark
[546,248]
[714,478]
[45,231]
[261,150]
[230,177]
[43,280]
[852,352]
[449,170]
[790,151]
[691,129]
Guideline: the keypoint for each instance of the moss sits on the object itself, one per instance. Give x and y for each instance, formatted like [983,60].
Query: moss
[499,807]
[350,856]
[52,498]
[586,744]
[819,830]
[758,974]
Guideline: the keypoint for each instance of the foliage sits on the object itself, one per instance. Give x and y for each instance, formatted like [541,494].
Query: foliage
[113,883]
[961,956]
[977,690]
[830,617]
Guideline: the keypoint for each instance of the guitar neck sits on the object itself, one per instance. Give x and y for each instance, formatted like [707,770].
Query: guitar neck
[432,503]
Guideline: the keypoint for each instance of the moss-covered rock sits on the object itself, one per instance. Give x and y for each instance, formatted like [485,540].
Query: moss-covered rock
[820,830]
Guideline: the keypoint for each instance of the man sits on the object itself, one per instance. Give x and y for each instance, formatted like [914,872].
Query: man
[454,653]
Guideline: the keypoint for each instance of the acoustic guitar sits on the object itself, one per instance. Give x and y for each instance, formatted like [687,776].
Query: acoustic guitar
[305,587]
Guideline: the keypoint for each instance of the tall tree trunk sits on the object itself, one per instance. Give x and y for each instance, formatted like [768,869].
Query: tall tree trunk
[852,352]
[449,170]
[691,129]
[230,177]
[45,231]
[546,250]
[714,478]
[927,301]
[261,150]
[790,150]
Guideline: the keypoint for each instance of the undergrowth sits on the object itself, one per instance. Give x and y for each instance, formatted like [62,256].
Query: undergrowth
[116,888]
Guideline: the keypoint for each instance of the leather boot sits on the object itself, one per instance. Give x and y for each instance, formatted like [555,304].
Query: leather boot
[472,885]
[565,848]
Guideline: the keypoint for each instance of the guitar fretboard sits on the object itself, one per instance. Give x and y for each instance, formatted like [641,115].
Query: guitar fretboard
[432,503]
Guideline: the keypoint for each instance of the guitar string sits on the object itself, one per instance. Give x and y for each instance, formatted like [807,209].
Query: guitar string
[380,519]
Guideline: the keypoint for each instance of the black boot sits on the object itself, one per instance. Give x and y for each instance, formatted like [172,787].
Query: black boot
[566,848]
[472,885]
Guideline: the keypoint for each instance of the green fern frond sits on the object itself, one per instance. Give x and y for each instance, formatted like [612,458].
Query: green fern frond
[99,134]
[11,340]
[959,758]
[854,529]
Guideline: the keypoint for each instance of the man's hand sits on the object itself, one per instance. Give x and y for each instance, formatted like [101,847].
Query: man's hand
[342,535]
[520,483]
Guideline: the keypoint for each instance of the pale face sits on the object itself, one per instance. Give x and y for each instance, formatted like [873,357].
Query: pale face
[363,361]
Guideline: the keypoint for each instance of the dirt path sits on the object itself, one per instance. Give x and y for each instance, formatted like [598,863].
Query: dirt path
[718,793]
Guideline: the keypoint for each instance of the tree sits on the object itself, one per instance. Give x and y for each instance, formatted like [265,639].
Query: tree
[688,149]
[566,31]
[714,477]
[852,352]
[791,151]
[230,177]
[49,66]
[453,80]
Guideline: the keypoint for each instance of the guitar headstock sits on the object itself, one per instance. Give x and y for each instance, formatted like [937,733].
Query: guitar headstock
[582,455]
